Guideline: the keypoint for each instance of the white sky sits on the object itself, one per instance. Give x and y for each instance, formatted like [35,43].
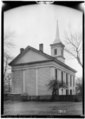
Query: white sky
[36,24]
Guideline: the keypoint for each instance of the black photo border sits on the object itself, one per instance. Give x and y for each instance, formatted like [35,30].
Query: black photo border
[8,5]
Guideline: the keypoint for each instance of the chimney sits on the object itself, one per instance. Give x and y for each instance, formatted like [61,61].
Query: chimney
[21,50]
[41,47]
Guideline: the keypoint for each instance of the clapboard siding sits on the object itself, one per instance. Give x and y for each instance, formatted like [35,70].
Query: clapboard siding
[43,80]
[17,82]
[52,73]
[30,81]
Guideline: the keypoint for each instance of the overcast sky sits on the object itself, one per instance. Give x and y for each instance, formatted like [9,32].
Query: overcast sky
[35,24]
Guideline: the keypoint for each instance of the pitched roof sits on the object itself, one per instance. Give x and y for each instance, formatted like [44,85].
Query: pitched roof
[27,49]
[50,58]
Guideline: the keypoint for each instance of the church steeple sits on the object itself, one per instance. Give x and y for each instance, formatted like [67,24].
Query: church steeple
[57,38]
[57,48]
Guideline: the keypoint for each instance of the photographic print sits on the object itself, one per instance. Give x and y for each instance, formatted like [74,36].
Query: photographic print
[43,59]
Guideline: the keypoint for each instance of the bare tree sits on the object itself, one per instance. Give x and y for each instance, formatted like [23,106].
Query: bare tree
[7,58]
[8,45]
[8,42]
[73,43]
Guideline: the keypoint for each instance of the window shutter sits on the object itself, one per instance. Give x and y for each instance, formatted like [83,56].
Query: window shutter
[73,81]
[70,80]
[56,74]
[66,79]
[62,77]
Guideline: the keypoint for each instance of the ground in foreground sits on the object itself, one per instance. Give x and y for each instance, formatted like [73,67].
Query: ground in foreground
[42,108]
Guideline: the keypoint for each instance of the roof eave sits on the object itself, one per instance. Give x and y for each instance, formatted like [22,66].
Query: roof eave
[65,65]
[32,63]
[57,44]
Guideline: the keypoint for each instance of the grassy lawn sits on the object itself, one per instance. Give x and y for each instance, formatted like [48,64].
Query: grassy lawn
[43,108]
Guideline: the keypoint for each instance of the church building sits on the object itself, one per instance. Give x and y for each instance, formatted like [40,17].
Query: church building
[32,70]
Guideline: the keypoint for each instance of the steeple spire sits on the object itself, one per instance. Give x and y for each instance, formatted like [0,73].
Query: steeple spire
[57,48]
[57,39]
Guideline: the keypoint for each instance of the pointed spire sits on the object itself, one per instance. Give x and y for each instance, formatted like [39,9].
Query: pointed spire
[57,39]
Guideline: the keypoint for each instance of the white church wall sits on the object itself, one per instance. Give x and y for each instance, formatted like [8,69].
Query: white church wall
[34,83]
[17,82]
[43,80]
[52,72]
[30,81]
[45,72]
[51,63]
[74,91]
[62,91]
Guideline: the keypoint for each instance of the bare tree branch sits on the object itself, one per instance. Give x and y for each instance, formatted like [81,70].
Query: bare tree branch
[8,44]
[70,52]
[73,42]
